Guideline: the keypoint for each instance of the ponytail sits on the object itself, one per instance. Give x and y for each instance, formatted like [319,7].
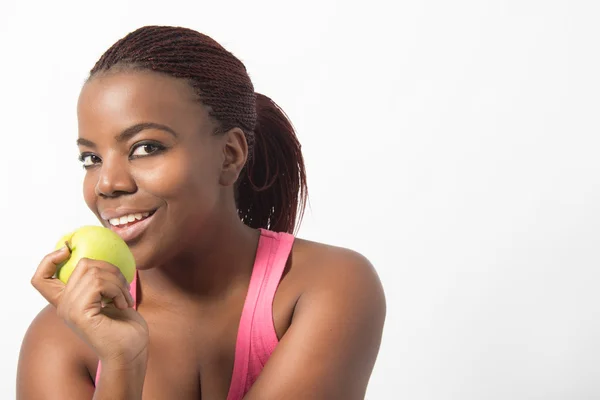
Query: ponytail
[272,190]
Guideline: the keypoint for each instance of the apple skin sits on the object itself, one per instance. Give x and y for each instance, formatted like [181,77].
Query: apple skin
[96,243]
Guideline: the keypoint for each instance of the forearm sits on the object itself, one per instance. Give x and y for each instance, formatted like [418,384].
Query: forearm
[121,383]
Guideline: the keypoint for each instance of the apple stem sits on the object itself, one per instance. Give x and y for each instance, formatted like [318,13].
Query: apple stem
[68,247]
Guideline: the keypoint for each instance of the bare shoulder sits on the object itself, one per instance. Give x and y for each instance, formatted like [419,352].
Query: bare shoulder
[322,260]
[336,327]
[53,356]
[341,270]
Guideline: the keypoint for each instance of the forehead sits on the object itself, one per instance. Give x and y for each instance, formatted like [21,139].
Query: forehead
[114,101]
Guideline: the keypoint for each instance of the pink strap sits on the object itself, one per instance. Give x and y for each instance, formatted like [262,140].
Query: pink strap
[257,338]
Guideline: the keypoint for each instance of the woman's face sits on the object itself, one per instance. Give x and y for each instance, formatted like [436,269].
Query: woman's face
[153,167]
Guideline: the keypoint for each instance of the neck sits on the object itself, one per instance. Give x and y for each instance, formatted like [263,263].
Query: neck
[211,267]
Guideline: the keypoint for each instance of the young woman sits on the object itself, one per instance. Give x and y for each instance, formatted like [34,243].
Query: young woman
[204,179]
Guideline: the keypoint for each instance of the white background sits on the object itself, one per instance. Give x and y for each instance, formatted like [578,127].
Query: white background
[454,143]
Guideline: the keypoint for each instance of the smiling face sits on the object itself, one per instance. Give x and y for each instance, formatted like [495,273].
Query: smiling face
[155,172]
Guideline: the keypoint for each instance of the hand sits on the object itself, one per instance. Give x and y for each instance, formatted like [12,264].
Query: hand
[97,306]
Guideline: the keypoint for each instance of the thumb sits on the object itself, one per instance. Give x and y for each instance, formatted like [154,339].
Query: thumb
[43,279]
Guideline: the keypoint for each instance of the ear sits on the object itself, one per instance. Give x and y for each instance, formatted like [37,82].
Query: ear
[235,153]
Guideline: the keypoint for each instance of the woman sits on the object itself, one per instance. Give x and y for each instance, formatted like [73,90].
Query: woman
[204,180]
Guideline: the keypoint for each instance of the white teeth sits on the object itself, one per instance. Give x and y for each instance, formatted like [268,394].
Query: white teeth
[125,219]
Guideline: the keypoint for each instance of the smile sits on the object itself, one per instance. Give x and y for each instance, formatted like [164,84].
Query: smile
[129,219]
[131,226]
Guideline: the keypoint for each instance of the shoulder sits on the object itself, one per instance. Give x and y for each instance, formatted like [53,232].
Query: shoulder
[336,326]
[323,261]
[50,345]
[342,273]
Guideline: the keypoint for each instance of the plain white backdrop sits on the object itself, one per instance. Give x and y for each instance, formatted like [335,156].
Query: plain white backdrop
[454,143]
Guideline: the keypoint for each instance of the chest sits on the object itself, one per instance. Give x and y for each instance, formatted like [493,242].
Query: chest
[192,352]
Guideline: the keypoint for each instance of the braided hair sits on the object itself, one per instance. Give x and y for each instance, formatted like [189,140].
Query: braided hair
[271,191]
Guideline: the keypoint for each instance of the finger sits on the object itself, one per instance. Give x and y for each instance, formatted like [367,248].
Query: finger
[43,279]
[85,264]
[86,300]
[120,302]
[97,275]
[94,291]
[82,267]
[102,270]
[113,293]
[50,263]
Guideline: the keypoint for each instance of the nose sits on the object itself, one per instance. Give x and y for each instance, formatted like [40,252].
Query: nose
[115,178]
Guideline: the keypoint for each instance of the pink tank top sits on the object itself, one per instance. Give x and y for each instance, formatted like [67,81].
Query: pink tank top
[256,338]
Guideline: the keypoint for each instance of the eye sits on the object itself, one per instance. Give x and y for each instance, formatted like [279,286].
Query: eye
[145,149]
[89,159]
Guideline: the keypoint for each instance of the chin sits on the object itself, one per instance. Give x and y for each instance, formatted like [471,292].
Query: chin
[146,255]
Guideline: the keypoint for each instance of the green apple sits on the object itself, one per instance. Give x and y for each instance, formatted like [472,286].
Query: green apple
[96,243]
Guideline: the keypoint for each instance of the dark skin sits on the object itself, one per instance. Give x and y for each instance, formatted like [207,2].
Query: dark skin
[194,262]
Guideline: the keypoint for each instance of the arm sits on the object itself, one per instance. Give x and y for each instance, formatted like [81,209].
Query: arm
[331,346]
[52,362]
[117,382]
[74,331]
[53,366]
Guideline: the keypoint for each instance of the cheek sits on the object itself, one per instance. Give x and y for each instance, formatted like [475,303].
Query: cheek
[178,178]
[89,190]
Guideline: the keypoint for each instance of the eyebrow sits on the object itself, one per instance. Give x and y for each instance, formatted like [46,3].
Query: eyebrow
[130,132]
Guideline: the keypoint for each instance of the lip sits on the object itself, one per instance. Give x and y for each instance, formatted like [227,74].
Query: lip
[133,231]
